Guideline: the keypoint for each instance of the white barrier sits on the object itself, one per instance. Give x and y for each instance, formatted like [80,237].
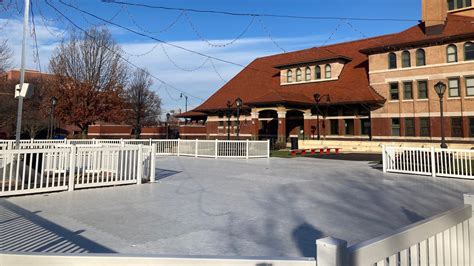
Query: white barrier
[429,161]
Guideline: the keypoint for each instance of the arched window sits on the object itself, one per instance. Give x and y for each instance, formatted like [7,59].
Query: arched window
[451,53]
[308,74]
[298,74]
[318,72]
[392,61]
[469,51]
[328,71]
[406,61]
[289,76]
[420,57]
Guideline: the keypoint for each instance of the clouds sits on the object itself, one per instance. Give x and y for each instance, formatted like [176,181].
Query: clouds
[165,62]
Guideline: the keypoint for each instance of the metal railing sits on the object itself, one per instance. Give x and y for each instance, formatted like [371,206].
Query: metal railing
[445,239]
[429,161]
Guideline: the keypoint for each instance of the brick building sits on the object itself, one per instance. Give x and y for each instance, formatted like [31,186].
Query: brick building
[378,88]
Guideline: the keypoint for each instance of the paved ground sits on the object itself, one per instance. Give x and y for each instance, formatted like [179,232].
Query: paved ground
[274,207]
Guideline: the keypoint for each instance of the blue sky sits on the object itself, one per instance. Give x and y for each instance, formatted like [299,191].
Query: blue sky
[194,74]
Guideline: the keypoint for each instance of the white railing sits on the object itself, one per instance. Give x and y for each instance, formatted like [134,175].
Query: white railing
[445,239]
[166,147]
[37,168]
[429,161]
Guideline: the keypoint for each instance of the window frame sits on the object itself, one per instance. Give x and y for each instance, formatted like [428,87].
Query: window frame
[406,58]
[418,89]
[409,131]
[454,4]
[456,129]
[405,91]
[334,127]
[328,71]
[317,72]
[466,78]
[299,75]
[455,53]
[450,95]
[392,61]
[394,126]
[470,121]
[417,54]
[307,74]
[422,133]
[289,76]
[391,93]
[471,44]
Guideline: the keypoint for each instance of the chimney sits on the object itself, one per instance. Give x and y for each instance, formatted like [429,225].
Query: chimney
[434,13]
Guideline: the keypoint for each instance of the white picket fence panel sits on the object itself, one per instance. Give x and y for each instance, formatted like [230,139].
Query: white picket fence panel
[39,168]
[455,163]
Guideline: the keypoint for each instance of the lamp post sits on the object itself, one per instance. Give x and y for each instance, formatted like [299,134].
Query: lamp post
[317,99]
[54,102]
[238,103]
[167,125]
[440,89]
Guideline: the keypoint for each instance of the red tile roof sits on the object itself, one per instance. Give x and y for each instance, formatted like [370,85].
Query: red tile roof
[456,28]
[259,82]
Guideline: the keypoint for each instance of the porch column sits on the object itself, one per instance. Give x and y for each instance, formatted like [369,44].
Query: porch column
[307,124]
[255,125]
[282,126]
[357,126]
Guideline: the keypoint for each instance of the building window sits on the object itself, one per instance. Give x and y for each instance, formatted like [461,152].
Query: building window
[422,89]
[318,72]
[334,127]
[424,126]
[298,74]
[328,71]
[469,51]
[470,86]
[471,126]
[392,61]
[289,76]
[408,90]
[452,53]
[394,92]
[365,126]
[221,123]
[453,85]
[456,127]
[308,74]
[349,126]
[457,4]
[420,57]
[406,61]
[409,127]
[395,126]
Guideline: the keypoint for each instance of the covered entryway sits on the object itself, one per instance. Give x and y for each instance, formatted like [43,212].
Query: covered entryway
[268,125]
[294,124]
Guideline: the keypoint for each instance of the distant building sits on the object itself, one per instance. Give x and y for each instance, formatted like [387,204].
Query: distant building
[378,88]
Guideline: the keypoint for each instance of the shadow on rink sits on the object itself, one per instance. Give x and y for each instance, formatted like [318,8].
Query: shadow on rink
[25,231]
[164,173]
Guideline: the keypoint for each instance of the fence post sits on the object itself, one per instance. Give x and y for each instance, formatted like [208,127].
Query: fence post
[247,149]
[216,144]
[72,167]
[433,163]
[32,140]
[179,140]
[94,141]
[153,163]
[196,148]
[140,164]
[150,142]
[65,140]
[469,199]
[331,252]
[384,159]
[268,148]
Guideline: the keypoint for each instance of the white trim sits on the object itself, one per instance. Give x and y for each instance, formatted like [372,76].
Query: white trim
[108,134]
[193,134]
[152,134]
[430,114]
[421,67]
[232,134]
[310,81]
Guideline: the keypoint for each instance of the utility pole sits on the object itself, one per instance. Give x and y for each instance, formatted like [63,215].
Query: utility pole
[22,72]
[185,100]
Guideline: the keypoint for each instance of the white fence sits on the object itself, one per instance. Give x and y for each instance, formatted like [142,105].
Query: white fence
[429,161]
[445,239]
[38,168]
[243,149]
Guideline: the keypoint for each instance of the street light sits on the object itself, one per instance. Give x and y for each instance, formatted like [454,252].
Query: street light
[54,102]
[238,103]
[167,125]
[317,98]
[440,89]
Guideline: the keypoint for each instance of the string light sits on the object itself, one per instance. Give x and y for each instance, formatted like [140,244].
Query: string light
[265,29]
[165,29]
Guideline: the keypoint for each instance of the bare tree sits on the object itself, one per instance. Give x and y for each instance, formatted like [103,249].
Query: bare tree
[5,56]
[89,79]
[143,103]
